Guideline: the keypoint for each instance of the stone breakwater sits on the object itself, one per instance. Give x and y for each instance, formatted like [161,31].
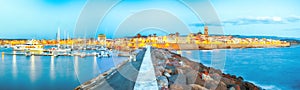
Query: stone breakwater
[179,73]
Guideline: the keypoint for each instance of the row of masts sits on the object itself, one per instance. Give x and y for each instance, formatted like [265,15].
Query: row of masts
[66,37]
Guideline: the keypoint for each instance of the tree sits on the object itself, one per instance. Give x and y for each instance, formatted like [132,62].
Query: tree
[139,35]
[199,33]
[154,35]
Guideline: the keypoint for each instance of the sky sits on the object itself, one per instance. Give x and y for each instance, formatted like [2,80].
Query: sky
[40,19]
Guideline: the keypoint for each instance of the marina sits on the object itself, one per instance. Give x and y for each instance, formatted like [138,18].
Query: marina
[127,61]
[50,72]
[149,45]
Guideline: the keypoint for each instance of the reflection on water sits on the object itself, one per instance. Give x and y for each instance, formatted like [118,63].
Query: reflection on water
[95,66]
[52,68]
[86,68]
[32,69]
[14,67]
[2,58]
[76,66]
[18,72]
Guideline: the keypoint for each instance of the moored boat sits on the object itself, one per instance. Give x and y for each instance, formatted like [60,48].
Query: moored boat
[31,46]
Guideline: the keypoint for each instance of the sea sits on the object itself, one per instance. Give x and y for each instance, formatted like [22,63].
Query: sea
[269,68]
[18,72]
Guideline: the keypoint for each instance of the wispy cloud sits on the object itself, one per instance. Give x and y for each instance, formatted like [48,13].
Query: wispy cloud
[253,20]
[202,24]
[262,20]
[293,19]
[293,29]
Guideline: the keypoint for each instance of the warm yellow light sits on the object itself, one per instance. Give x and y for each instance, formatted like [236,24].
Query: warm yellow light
[167,44]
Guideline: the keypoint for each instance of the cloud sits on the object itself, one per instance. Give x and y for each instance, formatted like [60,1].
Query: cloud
[293,29]
[202,24]
[262,20]
[253,20]
[293,19]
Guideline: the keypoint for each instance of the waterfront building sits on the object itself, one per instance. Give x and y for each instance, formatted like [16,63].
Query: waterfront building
[102,39]
[206,30]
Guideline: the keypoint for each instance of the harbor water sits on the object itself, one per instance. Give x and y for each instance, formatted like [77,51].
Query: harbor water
[269,68]
[18,72]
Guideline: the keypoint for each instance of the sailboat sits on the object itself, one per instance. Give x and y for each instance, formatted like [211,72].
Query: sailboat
[60,49]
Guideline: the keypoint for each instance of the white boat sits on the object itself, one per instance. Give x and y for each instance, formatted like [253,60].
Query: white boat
[5,46]
[82,55]
[62,49]
[104,52]
[31,46]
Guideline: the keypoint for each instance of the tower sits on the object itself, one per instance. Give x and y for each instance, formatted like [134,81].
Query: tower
[101,37]
[206,31]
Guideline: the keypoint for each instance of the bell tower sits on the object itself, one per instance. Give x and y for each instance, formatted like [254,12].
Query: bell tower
[206,31]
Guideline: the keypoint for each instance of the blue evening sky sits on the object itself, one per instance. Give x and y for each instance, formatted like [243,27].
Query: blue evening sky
[40,19]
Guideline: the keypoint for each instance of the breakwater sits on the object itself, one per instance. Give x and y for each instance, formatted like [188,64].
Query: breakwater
[183,74]
[179,73]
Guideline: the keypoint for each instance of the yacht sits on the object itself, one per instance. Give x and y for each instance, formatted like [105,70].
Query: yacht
[31,46]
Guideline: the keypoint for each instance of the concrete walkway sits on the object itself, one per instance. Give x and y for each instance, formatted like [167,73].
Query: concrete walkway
[146,79]
[136,75]
[124,78]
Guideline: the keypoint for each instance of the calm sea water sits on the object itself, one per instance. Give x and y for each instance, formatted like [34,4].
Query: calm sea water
[270,68]
[50,73]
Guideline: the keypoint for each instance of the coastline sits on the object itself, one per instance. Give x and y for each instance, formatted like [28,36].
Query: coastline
[178,46]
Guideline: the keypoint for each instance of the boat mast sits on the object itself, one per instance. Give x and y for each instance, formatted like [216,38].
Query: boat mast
[58,38]
[65,36]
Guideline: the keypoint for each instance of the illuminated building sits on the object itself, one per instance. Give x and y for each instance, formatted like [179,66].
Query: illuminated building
[102,39]
[206,31]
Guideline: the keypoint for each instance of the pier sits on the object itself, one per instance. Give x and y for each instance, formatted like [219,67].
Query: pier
[135,75]
[121,78]
[146,79]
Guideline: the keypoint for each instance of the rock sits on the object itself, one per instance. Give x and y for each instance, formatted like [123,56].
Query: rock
[240,78]
[250,86]
[197,87]
[221,86]
[226,81]
[162,81]
[179,79]
[211,84]
[180,87]
[176,87]
[188,76]
[191,77]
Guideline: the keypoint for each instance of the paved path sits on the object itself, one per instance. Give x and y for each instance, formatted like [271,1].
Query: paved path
[124,78]
[146,79]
